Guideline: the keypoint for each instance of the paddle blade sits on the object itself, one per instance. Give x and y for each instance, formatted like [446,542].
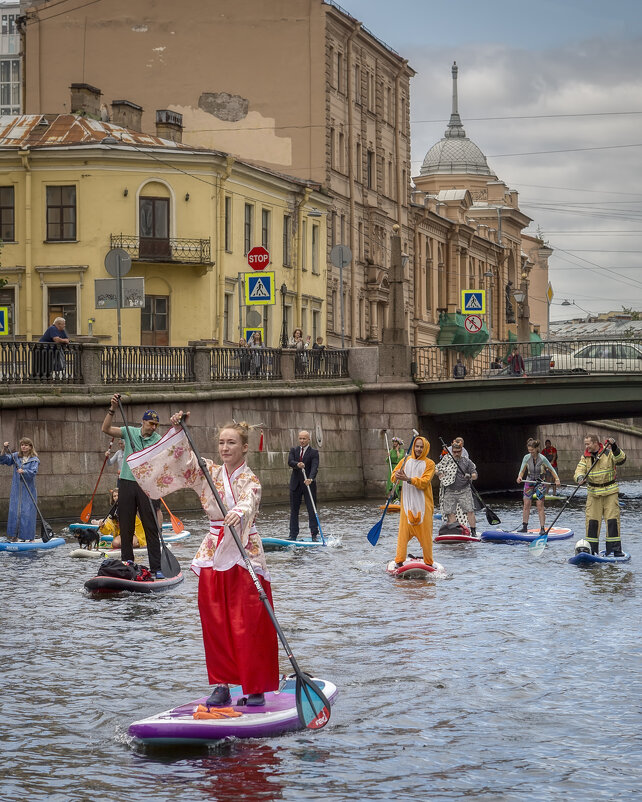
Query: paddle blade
[177,524]
[537,546]
[373,534]
[170,566]
[85,515]
[311,705]
[46,532]
[492,517]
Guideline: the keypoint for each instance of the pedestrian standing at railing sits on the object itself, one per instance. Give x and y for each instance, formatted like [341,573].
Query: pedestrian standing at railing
[317,353]
[256,363]
[50,357]
[516,363]
[459,370]
[244,356]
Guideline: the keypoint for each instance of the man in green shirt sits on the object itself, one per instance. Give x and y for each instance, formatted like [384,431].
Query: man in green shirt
[131,498]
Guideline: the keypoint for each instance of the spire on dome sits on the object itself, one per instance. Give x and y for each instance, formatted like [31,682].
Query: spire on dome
[455,125]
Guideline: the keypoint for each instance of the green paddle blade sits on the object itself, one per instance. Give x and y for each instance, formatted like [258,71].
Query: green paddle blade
[311,705]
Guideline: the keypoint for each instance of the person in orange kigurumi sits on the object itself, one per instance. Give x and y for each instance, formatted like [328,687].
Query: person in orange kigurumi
[417,504]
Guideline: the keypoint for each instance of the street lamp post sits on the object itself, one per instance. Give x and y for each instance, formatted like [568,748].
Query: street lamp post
[284,320]
[490,275]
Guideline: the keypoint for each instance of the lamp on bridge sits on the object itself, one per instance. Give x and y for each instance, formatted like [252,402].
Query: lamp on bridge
[490,276]
[284,319]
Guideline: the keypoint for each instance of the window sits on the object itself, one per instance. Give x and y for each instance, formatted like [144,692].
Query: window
[7,214]
[340,77]
[333,228]
[332,153]
[315,249]
[331,63]
[61,302]
[358,166]
[333,310]
[287,237]
[357,84]
[371,91]
[342,151]
[391,183]
[61,214]
[343,230]
[154,320]
[228,224]
[247,228]
[389,109]
[227,317]
[360,230]
[370,177]
[10,84]
[153,215]
[316,324]
[265,229]
[304,244]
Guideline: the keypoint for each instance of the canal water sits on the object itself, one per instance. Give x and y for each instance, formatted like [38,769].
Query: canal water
[511,678]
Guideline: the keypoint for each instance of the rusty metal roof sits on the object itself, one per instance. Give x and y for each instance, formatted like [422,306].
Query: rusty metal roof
[38,131]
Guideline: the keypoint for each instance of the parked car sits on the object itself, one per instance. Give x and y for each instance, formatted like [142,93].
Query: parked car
[533,366]
[601,357]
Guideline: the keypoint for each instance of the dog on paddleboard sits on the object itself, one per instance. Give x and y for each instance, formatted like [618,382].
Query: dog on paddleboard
[87,538]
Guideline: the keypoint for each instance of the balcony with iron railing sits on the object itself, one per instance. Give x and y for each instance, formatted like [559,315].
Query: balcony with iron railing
[174,250]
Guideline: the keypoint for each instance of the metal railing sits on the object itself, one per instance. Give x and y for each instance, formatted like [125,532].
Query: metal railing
[245,364]
[546,358]
[138,364]
[40,363]
[175,250]
[324,364]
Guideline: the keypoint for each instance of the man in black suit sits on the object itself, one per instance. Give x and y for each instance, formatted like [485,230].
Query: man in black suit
[302,457]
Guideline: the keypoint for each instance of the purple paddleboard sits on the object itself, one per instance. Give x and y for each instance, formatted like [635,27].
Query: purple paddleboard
[178,726]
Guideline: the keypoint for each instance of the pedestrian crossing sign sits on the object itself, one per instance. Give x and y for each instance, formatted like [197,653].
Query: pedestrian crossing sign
[259,288]
[473,302]
[4,320]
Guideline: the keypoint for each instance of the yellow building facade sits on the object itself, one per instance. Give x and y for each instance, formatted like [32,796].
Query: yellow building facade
[72,188]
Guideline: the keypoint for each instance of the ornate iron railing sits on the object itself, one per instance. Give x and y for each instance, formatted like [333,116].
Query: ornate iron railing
[40,363]
[137,364]
[173,249]
[546,358]
[245,364]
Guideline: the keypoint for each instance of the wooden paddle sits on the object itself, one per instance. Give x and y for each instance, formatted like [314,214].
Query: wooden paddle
[536,547]
[491,515]
[46,532]
[177,524]
[170,566]
[85,515]
[311,705]
[375,532]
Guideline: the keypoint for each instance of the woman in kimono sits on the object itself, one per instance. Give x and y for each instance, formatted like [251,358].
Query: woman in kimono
[241,646]
[417,504]
[22,510]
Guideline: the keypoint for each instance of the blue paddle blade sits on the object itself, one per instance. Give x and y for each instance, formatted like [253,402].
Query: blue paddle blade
[373,534]
[538,546]
[311,705]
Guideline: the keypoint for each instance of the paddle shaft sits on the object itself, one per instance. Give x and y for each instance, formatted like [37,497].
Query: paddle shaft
[385,434]
[86,513]
[246,559]
[314,507]
[570,498]
[43,523]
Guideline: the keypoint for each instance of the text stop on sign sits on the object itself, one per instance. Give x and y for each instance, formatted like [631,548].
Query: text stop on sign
[258,258]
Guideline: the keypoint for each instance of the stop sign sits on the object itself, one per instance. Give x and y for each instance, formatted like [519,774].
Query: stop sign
[258,258]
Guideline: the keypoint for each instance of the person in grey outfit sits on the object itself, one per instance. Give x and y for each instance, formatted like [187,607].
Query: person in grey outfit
[459,491]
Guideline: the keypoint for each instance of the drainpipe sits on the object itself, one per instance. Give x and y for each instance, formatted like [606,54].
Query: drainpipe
[220,250]
[297,259]
[401,191]
[24,156]
[353,225]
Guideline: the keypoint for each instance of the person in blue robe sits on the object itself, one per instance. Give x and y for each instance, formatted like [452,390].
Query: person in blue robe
[21,524]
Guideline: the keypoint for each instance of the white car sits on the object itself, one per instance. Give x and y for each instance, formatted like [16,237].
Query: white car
[601,357]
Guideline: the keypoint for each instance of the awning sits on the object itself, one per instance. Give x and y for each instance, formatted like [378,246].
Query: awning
[452,332]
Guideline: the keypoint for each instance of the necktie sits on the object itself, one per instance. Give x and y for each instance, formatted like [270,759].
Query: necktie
[301,457]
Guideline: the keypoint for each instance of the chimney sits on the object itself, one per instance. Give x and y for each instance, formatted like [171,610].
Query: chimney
[169,125]
[127,114]
[85,100]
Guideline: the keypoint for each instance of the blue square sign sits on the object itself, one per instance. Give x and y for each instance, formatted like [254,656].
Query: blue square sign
[4,320]
[473,302]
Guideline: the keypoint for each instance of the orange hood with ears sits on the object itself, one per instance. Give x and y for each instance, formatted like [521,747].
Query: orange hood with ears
[424,451]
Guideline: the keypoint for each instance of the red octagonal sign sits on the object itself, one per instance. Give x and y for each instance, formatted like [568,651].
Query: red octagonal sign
[258,258]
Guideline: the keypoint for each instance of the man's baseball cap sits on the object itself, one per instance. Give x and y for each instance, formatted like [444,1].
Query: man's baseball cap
[151,415]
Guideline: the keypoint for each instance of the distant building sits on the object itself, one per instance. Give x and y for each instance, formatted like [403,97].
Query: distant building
[72,187]
[469,228]
[608,325]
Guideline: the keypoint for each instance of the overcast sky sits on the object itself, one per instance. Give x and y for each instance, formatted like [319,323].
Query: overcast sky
[552,75]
